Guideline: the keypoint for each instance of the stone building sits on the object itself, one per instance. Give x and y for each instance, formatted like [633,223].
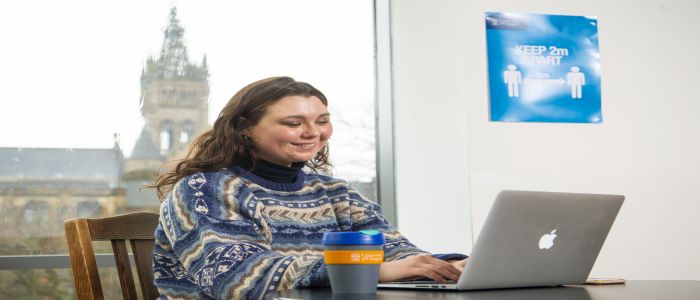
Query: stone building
[42,187]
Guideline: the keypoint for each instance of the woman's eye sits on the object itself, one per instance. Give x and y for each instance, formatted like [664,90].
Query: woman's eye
[323,121]
[292,124]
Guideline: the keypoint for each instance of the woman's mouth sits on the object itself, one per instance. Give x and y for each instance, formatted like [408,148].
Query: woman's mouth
[305,146]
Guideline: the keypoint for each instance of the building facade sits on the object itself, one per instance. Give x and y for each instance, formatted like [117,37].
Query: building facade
[42,187]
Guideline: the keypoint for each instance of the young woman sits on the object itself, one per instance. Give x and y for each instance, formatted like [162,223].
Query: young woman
[241,216]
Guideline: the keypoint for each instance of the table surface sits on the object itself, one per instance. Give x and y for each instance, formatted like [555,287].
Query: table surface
[634,289]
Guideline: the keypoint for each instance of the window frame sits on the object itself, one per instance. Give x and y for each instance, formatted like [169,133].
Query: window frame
[384,110]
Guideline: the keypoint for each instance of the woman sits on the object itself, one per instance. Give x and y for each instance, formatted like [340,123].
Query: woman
[241,217]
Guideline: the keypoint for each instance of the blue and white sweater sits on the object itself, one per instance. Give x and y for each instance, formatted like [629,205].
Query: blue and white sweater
[234,235]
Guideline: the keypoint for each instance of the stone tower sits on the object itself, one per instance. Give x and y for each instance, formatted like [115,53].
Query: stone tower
[174,94]
[175,107]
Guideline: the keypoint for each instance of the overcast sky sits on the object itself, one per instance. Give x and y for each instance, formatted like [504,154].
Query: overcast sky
[70,70]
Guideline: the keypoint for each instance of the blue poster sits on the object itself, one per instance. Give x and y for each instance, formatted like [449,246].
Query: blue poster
[543,68]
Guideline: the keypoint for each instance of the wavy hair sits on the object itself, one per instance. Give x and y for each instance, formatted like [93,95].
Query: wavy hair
[224,145]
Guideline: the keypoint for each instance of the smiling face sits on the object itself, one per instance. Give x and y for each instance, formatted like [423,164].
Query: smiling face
[293,129]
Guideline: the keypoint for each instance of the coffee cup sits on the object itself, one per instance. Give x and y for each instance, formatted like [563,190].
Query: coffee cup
[353,259]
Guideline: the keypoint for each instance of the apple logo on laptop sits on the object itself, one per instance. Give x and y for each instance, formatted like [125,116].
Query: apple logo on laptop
[547,240]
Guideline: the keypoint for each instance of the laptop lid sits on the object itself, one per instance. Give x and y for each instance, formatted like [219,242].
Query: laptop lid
[535,239]
[539,238]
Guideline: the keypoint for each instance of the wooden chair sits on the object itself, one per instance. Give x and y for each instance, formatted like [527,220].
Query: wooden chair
[137,227]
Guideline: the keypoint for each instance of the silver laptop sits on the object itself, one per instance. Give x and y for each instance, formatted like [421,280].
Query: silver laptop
[535,239]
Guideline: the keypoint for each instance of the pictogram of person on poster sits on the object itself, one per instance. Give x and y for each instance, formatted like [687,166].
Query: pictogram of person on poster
[576,79]
[513,79]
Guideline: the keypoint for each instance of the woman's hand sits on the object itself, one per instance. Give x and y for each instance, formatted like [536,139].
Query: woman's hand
[422,265]
[459,264]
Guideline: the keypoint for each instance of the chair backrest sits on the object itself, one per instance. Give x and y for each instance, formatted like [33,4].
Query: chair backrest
[138,228]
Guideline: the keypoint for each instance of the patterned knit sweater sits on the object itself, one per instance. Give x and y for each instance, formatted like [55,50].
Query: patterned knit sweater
[234,235]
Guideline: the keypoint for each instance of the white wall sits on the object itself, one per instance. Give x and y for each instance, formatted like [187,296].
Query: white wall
[647,148]
[429,126]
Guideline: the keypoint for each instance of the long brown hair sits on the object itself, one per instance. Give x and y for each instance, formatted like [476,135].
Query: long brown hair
[224,145]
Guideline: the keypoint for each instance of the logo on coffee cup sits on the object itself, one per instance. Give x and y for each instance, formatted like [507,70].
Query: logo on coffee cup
[376,257]
[353,256]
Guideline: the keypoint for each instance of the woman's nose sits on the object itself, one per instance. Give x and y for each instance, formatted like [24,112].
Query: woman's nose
[311,131]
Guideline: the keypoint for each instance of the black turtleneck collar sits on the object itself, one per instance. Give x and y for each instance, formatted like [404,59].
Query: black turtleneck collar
[276,173]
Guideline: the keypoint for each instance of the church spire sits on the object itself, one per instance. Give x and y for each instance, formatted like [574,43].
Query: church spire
[173,54]
[173,62]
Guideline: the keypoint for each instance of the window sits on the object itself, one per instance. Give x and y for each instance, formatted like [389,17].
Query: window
[88,209]
[185,132]
[166,135]
[144,69]
[36,212]
[30,211]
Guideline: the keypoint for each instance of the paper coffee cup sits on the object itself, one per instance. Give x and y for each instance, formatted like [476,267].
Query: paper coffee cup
[352,260]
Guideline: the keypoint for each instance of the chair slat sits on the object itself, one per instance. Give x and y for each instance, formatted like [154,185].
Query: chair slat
[82,257]
[126,279]
[143,251]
